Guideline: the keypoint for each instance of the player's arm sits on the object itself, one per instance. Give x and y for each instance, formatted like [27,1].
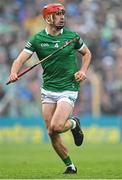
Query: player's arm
[25,54]
[17,64]
[86,59]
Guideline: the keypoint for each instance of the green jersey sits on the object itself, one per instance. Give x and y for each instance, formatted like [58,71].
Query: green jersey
[59,70]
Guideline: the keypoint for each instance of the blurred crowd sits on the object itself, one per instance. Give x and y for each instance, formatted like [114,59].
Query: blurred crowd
[100,25]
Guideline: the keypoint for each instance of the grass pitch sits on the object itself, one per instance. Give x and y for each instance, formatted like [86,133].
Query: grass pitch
[39,161]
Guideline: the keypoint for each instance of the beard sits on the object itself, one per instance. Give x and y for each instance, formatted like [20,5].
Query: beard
[59,27]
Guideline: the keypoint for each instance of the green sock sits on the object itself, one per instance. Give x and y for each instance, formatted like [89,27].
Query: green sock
[67,161]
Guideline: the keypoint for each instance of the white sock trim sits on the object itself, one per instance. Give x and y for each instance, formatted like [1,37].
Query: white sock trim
[72,166]
[73,123]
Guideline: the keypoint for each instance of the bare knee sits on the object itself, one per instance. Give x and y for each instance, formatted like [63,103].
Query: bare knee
[55,128]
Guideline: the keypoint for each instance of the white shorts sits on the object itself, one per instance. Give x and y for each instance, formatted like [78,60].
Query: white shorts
[56,97]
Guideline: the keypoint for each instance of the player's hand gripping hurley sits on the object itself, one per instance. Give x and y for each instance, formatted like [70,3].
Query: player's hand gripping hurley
[46,58]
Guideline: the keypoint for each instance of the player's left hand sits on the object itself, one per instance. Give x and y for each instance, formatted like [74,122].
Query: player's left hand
[80,76]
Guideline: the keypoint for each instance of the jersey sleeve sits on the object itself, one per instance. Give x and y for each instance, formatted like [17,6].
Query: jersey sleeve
[80,43]
[29,47]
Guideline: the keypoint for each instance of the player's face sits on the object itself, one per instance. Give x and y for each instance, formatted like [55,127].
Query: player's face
[59,19]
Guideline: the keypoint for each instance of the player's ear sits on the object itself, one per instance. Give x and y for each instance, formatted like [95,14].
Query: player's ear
[49,19]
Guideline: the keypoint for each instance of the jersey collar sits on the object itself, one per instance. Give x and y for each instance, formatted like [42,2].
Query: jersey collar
[48,32]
